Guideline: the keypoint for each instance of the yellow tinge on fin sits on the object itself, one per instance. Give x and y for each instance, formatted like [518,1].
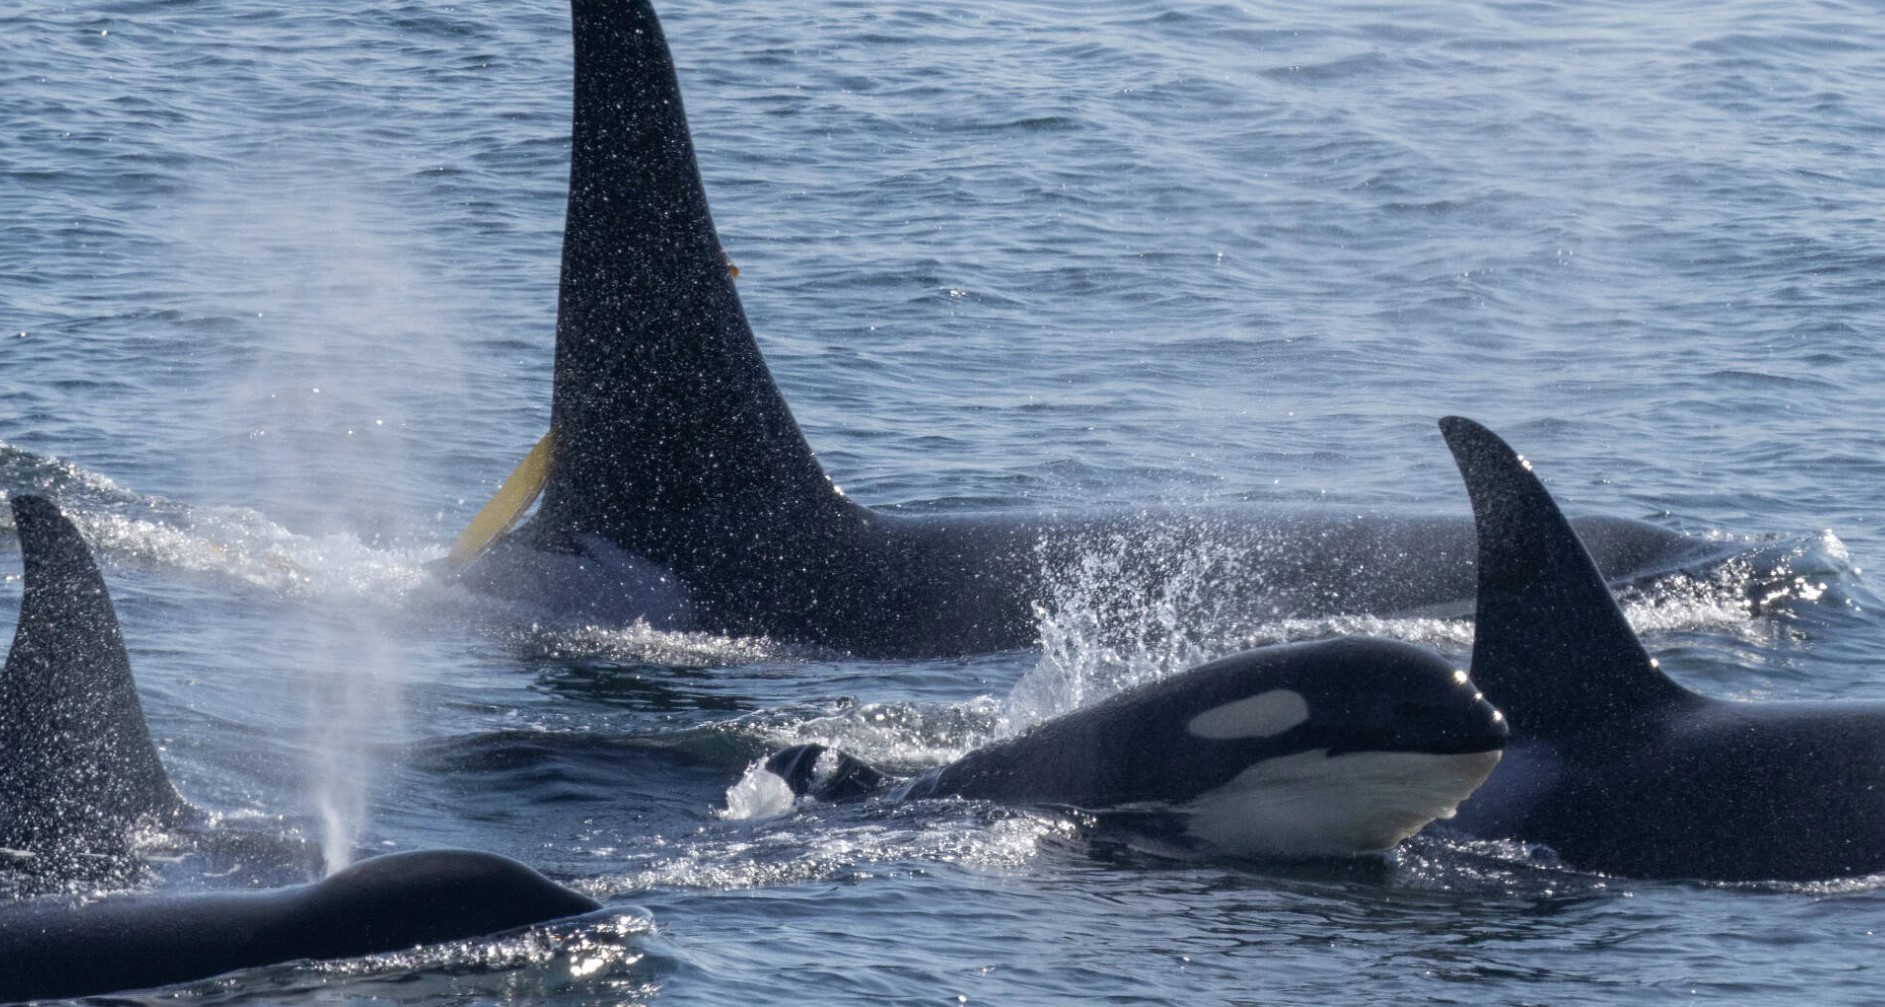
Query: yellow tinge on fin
[506,506]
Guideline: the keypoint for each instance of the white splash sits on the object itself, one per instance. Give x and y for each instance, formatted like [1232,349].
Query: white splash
[1126,611]
[1130,610]
[760,793]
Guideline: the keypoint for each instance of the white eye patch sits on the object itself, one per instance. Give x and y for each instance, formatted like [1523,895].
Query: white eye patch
[1260,716]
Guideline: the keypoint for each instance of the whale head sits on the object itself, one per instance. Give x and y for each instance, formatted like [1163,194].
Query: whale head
[1326,749]
[1332,748]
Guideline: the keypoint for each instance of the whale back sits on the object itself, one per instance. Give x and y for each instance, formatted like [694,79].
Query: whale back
[419,897]
[77,765]
[387,903]
[1551,648]
[663,406]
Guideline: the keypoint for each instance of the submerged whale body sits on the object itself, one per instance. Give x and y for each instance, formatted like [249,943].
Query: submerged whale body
[386,903]
[1332,748]
[1612,763]
[680,488]
[78,773]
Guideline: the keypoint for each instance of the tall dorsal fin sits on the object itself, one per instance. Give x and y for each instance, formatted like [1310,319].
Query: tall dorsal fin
[1551,648]
[77,766]
[663,404]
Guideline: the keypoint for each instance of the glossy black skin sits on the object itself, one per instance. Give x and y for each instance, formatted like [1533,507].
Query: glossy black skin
[1616,766]
[50,948]
[674,444]
[77,766]
[1136,748]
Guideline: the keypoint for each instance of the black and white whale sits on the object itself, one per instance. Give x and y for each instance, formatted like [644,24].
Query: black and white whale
[54,948]
[1613,764]
[79,773]
[1331,748]
[676,485]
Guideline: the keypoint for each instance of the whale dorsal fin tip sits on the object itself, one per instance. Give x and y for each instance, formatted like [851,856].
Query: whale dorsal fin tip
[663,404]
[1551,647]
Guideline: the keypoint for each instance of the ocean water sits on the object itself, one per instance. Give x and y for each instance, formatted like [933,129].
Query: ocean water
[276,306]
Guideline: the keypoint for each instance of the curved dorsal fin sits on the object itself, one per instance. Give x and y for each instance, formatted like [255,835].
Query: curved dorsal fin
[1551,648]
[663,404]
[77,766]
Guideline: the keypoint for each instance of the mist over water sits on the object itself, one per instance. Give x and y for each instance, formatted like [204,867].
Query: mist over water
[352,707]
[275,319]
[347,339]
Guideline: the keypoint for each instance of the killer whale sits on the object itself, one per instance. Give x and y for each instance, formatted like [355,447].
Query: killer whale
[1613,764]
[399,900]
[1331,748]
[79,772]
[69,712]
[677,486]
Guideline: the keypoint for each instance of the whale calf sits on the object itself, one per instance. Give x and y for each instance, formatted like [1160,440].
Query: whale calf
[1612,763]
[676,485]
[78,773]
[1331,748]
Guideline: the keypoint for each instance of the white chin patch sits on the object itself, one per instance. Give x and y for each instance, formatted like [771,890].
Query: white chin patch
[1263,715]
[1314,805]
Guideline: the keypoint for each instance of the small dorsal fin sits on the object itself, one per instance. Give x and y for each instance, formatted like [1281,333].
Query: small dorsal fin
[77,766]
[1551,648]
[662,404]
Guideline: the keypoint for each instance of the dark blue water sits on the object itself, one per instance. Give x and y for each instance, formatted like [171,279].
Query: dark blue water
[276,298]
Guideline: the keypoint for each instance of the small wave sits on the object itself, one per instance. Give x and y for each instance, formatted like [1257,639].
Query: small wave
[1741,583]
[1439,862]
[805,847]
[641,643]
[588,947]
[1866,885]
[540,962]
[237,543]
[902,737]
[23,470]
[1442,863]
[1025,124]
[247,547]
